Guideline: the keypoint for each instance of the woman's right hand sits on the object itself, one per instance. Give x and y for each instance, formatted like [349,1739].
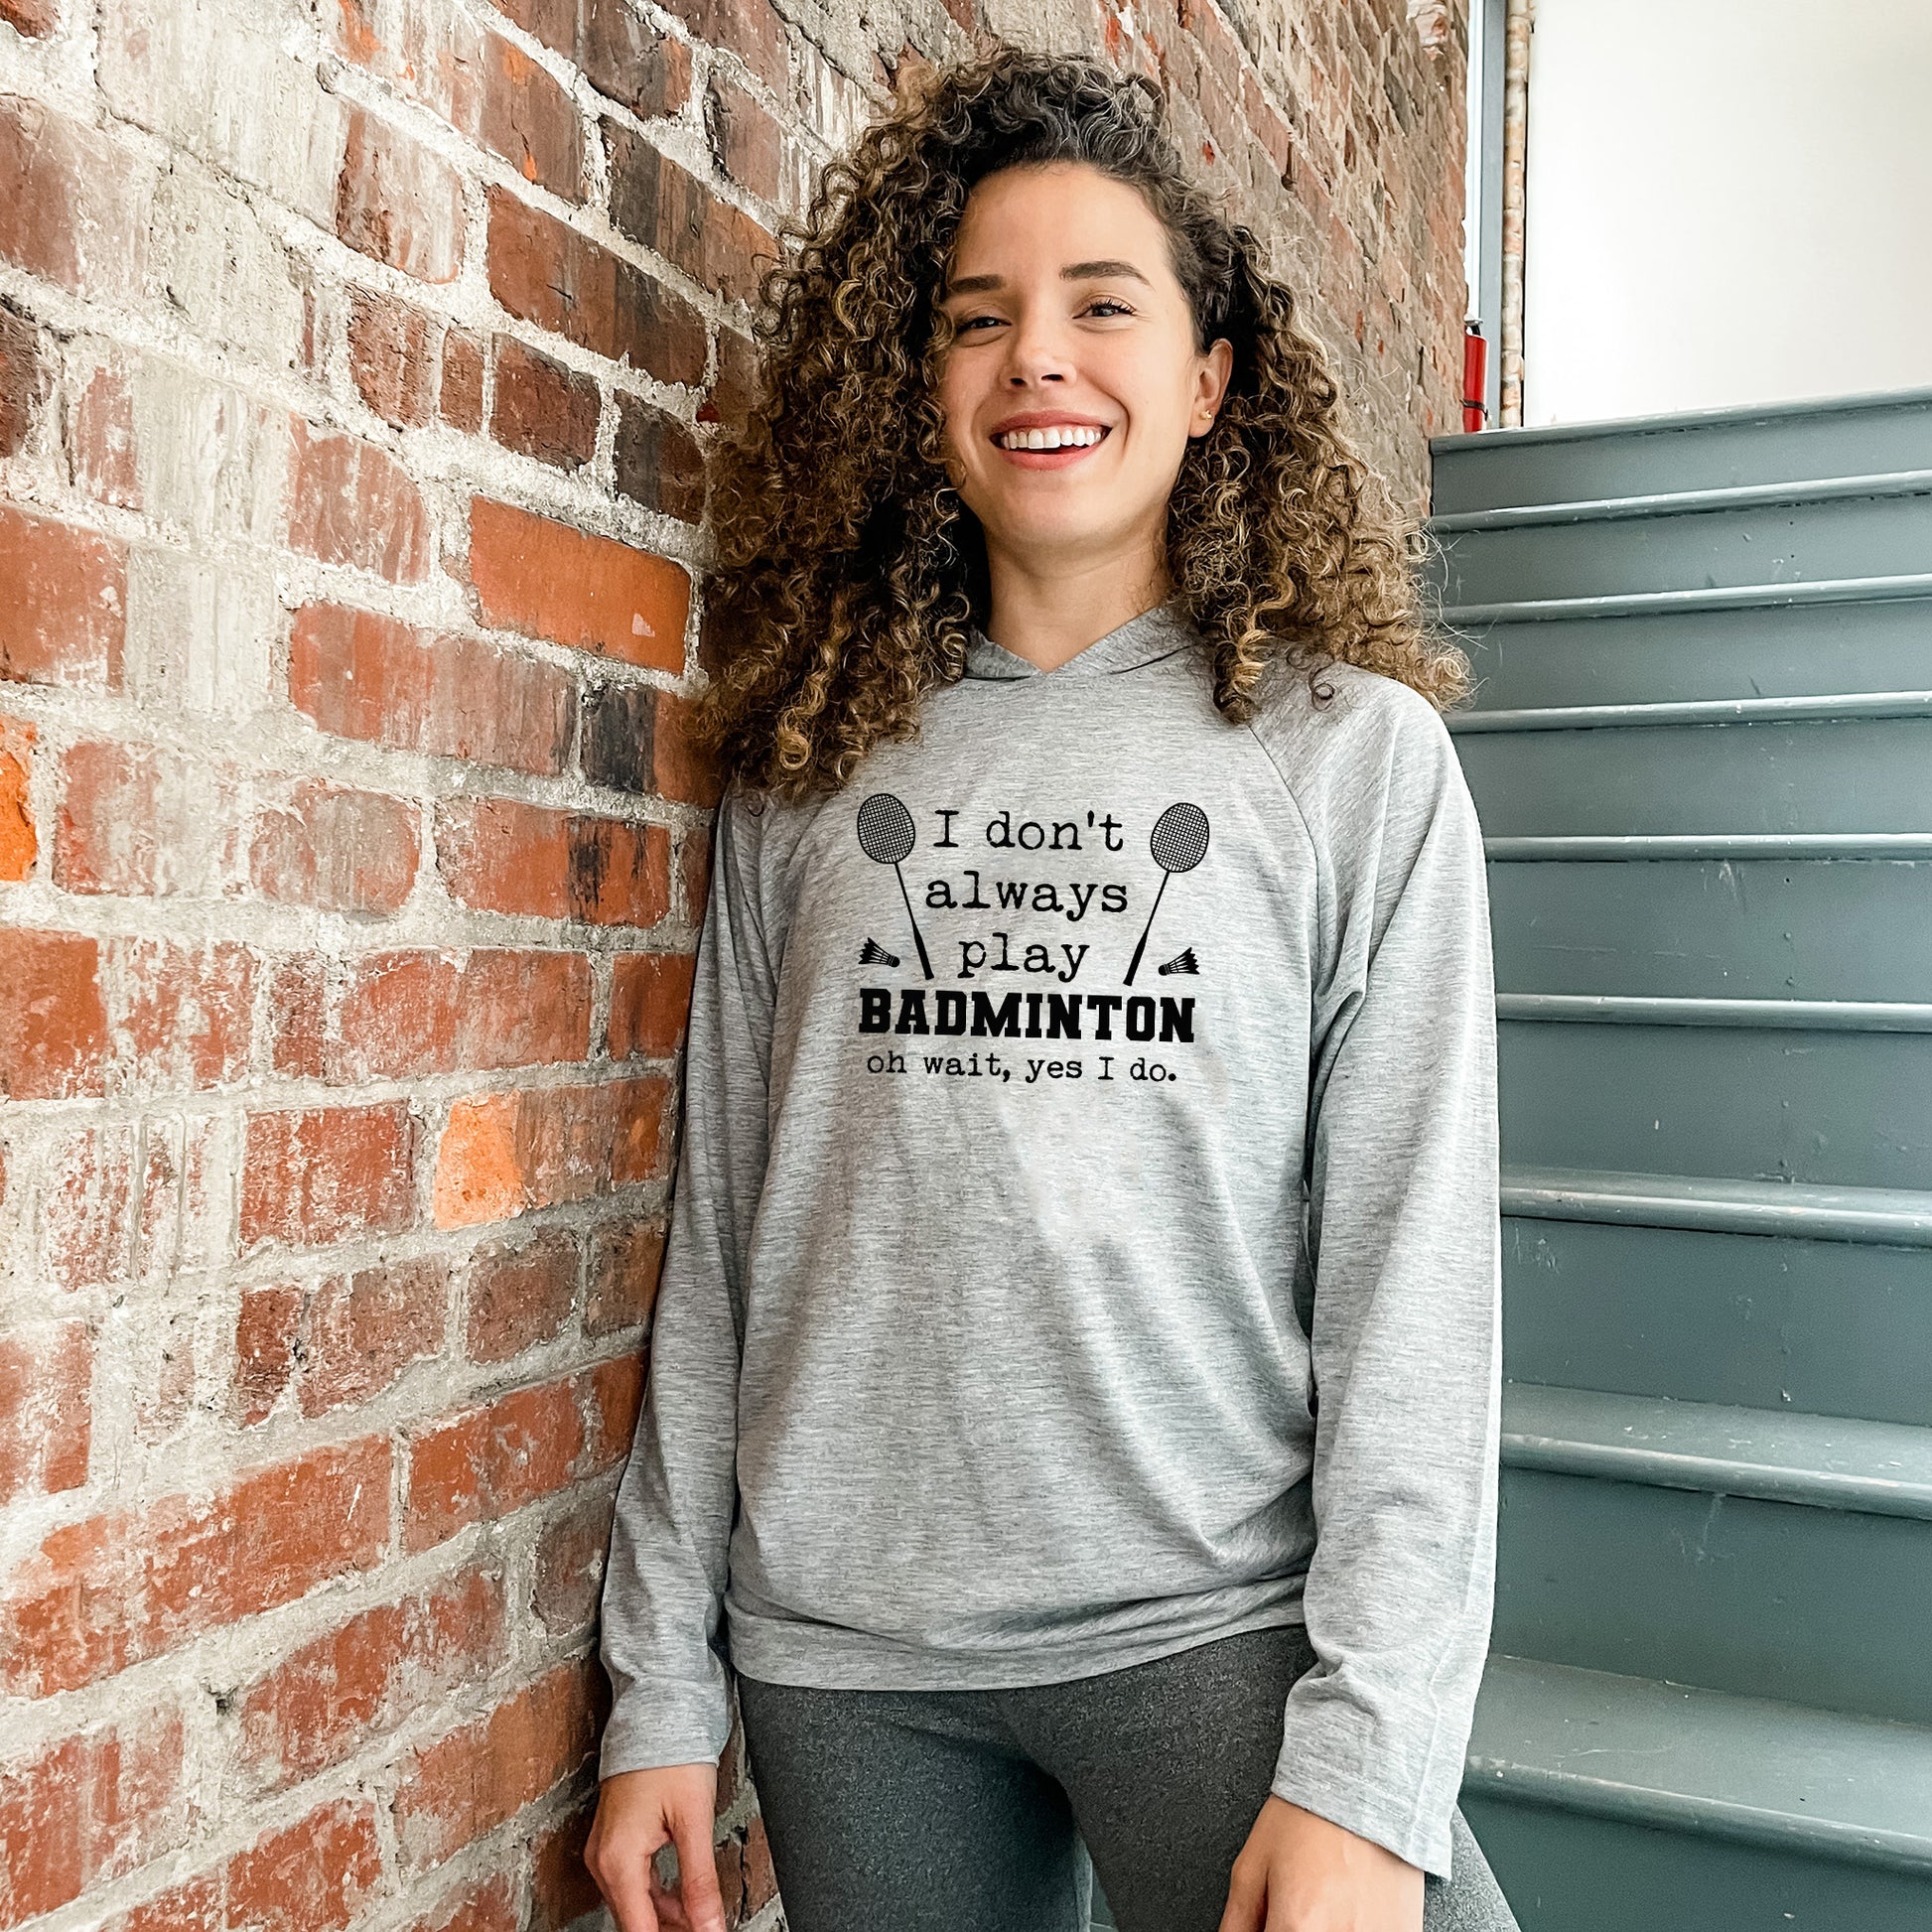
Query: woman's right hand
[637,1814]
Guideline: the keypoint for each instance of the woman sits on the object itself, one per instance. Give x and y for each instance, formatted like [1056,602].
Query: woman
[1088,1183]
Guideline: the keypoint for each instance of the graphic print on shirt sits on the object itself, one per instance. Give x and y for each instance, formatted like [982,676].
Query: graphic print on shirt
[1086,1030]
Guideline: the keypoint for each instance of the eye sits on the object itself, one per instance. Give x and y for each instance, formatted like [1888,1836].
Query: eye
[1098,301]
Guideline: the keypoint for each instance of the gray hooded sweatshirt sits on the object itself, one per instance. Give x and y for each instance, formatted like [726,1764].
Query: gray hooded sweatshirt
[1085,1236]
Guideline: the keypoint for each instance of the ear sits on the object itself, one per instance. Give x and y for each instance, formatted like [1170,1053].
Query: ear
[1211,386]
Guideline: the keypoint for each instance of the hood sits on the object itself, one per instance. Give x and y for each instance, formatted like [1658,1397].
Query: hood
[1157,632]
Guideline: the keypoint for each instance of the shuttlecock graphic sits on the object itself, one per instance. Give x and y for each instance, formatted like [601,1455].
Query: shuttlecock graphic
[1182,963]
[872,953]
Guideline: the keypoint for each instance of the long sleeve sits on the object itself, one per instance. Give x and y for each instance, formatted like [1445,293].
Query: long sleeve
[664,1590]
[1405,1244]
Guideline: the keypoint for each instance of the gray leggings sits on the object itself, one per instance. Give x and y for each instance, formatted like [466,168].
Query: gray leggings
[991,1811]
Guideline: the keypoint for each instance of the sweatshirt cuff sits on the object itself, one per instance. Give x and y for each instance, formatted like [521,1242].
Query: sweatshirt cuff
[657,1724]
[1388,1781]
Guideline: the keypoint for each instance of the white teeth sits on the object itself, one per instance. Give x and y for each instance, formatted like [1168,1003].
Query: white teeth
[1066,437]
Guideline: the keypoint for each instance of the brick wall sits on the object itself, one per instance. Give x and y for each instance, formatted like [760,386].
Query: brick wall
[356,364]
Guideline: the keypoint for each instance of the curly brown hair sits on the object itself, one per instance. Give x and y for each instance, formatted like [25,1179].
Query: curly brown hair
[847,569]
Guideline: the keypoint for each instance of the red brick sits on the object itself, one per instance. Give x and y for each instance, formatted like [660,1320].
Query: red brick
[462,397]
[297,998]
[268,1331]
[392,357]
[45,1409]
[408,1014]
[657,460]
[527,118]
[84,1229]
[115,1589]
[520,1294]
[627,1258]
[320,1873]
[19,842]
[750,28]
[338,851]
[682,768]
[490,1905]
[64,616]
[184,1014]
[505,1154]
[660,204]
[341,1342]
[562,1889]
[546,272]
[501,855]
[745,138]
[483,1773]
[650,1001]
[569,1569]
[484,1463]
[355,504]
[144,819]
[101,455]
[757,1882]
[621,54]
[694,866]
[369,677]
[736,385]
[194,1905]
[399,202]
[318,1175]
[548,579]
[33,17]
[613,1392]
[174,1180]
[52,1024]
[24,380]
[326,1701]
[76,207]
[82,1812]
[543,409]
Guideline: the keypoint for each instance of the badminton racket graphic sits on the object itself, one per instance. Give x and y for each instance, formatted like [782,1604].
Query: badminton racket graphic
[885,835]
[1178,843]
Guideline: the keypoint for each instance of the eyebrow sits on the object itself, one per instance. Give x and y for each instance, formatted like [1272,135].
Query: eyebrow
[1072,272]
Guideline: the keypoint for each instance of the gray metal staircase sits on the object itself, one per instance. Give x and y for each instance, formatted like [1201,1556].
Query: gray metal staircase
[1701,751]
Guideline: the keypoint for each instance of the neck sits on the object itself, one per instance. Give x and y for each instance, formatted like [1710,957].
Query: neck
[1048,617]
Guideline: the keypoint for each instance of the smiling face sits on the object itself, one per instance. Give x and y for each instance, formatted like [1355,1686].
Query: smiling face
[1072,384]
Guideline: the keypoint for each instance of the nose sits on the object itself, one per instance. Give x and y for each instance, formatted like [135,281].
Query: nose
[1036,353]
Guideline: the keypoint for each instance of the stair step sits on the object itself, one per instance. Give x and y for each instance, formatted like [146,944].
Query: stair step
[1817,1211]
[1622,847]
[1673,654]
[1744,929]
[1711,539]
[1809,707]
[1850,1788]
[1779,776]
[1719,1585]
[1817,436]
[1773,1320]
[1658,603]
[1706,1010]
[1841,1109]
[1828,1461]
[1684,502]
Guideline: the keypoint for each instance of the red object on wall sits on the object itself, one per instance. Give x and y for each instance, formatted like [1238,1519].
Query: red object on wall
[1476,353]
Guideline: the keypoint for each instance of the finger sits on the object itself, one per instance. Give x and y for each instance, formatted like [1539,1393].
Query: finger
[697,1869]
[629,1895]
[1246,1901]
[624,1880]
